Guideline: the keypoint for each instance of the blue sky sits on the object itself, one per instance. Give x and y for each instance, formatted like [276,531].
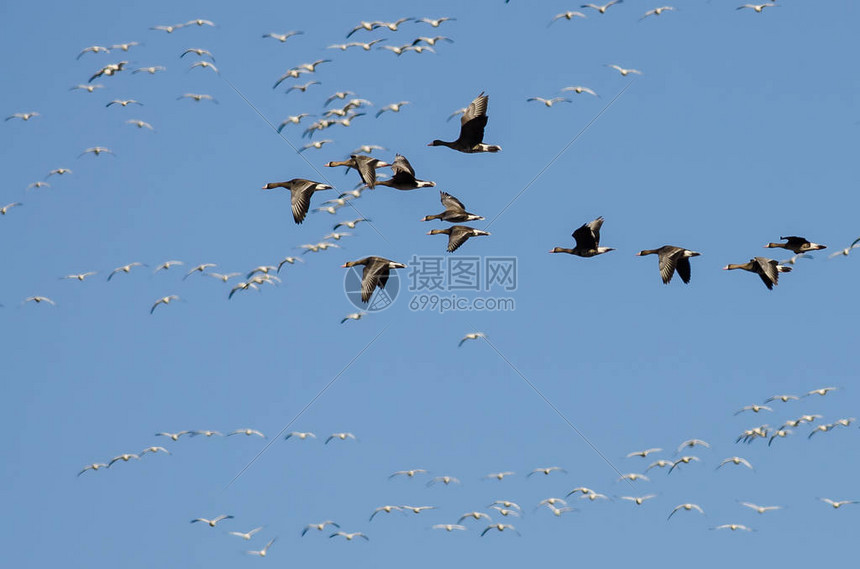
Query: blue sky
[743,127]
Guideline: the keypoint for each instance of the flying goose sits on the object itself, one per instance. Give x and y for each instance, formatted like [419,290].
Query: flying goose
[262,552]
[316,144]
[686,507]
[123,457]
[475,516]
[431,41]
[301,436]
[657,12]
[475,336]
[367,26]
[587,241]
[457,235]
[200,22]
[198,52]
[796,245]
[683,460]
[247,433]
[222,278]
[97,150]
[282,37]
[197,97]
[643,453]
[754,408]
[692,443]
[93,49]
[759,509]
[87,88]
[757,7]
[152,70]
[79,276]
[23,116]
[548,102]
[341,436]
[94,467]
[408,473]
[836,505]
[670,259]
[301,191]
[302,88]
[418,509]
[205,65]
[499,527]
[736,460]
[386,509]
[125,269]
[404,176]
[125,46]
[546,471]
[39,185]
[847,250]
[450,527]
[472,124]
[354,316]
[767,269]
[173,436]
[214,521]
[569,15]
[320,526]
[579,89]
[661,463]
[124,102]
[438,22]
[496,475]
[365,166]
[602,9]
[375,274]
[624,72]
[206,433]
[9,206]
[199,269]
[292,119]
[108,70]
[165,300]
[350,536]
[733,527]
[154,450]
[393,107]
[139,123]
[783,398]
[455,211]
[639,500]
[446,480]
[39,300]
[246,536]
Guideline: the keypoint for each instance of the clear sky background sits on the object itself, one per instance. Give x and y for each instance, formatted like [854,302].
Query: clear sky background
[743,127]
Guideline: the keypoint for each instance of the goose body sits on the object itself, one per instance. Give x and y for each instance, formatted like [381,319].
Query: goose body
[671,259]
[767,269]
[301,191]
[375,274]
[455,211]
[457,235]
[587,241]
[796,245]
[404,176]
[472,124]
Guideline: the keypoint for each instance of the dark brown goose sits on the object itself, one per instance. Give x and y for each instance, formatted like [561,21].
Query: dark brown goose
[796,245]
[365,165]
[301,191]
[587,241]
[472,125]
[455,211]
[670,259]
[404,176]
[767,269]
[457,235]
[375,273]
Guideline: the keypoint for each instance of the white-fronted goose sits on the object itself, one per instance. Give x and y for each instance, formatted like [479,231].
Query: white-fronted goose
[457,235]
[767,269]
[375,273]
[365,165]
[587,241]
[472,125]
[671,258]
[301,191]
[404,176]
[796,245]
[455,211]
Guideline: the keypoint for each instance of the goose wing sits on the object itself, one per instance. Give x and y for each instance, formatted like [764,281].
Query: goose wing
[588,236]
[450,202]
[458,235]
[668,261]
[402,166]
[300,198]
[767,271]
[474,120]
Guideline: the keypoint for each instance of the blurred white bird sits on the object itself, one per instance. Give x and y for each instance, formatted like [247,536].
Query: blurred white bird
[686,507]
[214,521]
[246,536]
[262,552]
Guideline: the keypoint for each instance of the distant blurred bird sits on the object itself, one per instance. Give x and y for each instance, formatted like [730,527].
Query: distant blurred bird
[205,65]
[657,12]
[151,70]
[222,278]
[579,89]
[393,107]
[496,475]
[154,450]
[836,505]
[316,144]
[350,536]
[124,102]
[87,88]
[301,436]
[97,150]
[760,509]
[168,29]
[282,37]
[320,526]
[757,7]
[139,123]
[125,46]
[602,9]
[199,269]
[197,97]
[733,527]
[569,15]
[302,88]
[125,269]
[546,471]
[624,72]
[783,398]
[683,460]
[108,70]
[353,316]
[290,260]
[548,102]
[847,250]
[736,460]
[340,437]
[500,527]
[9,206]
[450,527]
[248,433]
[754,408]
[431,41]
[199,22]
[23,116]
[94,467]
[639,500]
[80,276]
[438,22]
[246,536]
[93,49]
[123,457]
[294,119]
[165,300]
[173,436]
[262,552]
[39,300]
[167,264]
[458,234]
[475,336]
[686,507]
[214,521]
[367,26]
[643,453]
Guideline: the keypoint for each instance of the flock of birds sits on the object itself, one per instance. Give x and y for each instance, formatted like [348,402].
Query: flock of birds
[495,517]
[634,487]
